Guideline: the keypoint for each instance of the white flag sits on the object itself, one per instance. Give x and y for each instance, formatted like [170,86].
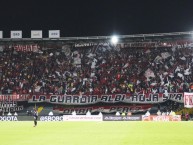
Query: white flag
[149,73]
[165,55]
[157,59]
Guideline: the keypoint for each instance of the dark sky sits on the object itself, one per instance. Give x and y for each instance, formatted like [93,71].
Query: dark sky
[97,17]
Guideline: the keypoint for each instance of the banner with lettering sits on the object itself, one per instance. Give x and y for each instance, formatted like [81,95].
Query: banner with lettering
[188,100]
[82,118]
[161,118]
[103,109]
[147,98]
[26,48]
[121,118]
[10,98]
[11,108]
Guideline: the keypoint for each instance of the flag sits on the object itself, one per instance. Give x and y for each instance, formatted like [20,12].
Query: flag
[131,87]
[173,49]
[66,49]
[190,45]
[165,73]
[177,69]
[187,71]
[153,84]
[165,55]
[126,65]
[149,73]
[183,58]
[147,51]
[157,59]
[166,67]
[181,75]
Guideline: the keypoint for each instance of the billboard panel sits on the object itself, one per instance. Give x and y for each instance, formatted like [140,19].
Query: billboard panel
[16,34]
[54,33]
[1,34]
[36,34]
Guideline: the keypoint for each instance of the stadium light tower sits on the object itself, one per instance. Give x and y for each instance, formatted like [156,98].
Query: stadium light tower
[114,39]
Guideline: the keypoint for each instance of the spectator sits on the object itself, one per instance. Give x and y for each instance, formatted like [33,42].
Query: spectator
[187,116]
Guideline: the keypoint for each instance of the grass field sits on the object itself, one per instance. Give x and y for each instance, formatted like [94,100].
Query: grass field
[96,133]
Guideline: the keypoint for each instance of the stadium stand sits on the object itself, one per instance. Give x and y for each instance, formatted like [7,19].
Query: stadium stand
[98,69]
[108,71]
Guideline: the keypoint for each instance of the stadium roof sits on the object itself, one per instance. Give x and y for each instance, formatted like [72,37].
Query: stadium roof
[134,37]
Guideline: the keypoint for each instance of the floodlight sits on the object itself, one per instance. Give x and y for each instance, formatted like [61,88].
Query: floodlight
[114,40]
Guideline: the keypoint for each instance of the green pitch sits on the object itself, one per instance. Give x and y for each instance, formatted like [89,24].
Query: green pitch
[96,133]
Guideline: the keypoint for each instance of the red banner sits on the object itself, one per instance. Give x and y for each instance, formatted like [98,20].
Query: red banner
[26,48]
[104,109]
[17,97]
[188,100]
[161,118]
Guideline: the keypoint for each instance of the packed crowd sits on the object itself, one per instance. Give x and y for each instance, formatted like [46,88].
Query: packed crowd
[102,70]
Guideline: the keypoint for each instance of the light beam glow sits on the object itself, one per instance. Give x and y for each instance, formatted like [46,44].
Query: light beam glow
[114,40]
